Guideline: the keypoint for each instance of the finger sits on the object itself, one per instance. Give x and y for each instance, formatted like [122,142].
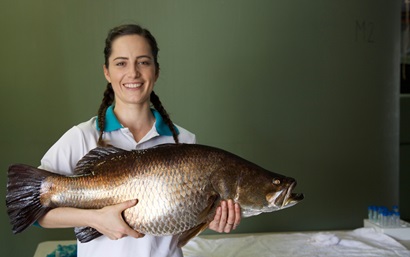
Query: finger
[129,231]
[125,205]
[231,212]
[238,215]
[230,216]
[214,225]
[224,214]
[218,214]
[115,235]
[126,230]
[130,203]
[134,233]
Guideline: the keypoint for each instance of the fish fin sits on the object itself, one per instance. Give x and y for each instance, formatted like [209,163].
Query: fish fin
[209,211]
[168,145]
[191,233]
[203,218]
[86,234]
[23,196]
[92,158]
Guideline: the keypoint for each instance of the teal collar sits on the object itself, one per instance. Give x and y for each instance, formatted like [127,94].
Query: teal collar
[112,123]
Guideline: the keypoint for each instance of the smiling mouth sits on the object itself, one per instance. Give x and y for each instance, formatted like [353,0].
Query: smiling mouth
[133,85]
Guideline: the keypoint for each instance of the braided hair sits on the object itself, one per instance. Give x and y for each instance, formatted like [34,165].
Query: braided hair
[108,99]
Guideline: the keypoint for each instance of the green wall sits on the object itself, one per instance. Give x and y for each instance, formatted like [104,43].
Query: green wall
[304,88]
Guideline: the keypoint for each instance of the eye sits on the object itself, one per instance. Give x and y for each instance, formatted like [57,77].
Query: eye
[144,63]
[276,181]
[120,64]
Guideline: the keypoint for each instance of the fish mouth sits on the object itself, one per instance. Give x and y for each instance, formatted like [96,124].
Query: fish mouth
[283,198]
[291,198]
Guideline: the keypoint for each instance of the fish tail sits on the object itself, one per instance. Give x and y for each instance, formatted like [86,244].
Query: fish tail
[23,196]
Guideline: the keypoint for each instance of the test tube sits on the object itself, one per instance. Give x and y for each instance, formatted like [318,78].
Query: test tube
[370,213]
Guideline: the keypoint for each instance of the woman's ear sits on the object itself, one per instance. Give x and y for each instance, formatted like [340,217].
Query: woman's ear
[106,74]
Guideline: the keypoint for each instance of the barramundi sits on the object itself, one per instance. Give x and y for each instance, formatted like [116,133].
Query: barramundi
[178,188]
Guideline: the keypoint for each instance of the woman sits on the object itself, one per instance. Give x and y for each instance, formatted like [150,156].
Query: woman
[125,120]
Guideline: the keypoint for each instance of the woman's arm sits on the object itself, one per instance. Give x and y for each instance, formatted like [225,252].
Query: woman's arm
[62,158]
[107,221]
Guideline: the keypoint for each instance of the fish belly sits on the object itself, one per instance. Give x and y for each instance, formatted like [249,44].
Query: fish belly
[169,204]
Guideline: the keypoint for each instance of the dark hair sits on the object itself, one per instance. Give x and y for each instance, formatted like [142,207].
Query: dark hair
[108,99]
[130,29]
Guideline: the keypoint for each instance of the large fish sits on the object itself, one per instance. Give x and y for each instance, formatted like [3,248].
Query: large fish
[178,187]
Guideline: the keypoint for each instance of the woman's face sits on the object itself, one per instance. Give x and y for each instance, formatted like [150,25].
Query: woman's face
[131,71]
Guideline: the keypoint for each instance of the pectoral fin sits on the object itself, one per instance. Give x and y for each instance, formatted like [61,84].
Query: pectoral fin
[86,234]
[213,201]
[204,218]
[187,235]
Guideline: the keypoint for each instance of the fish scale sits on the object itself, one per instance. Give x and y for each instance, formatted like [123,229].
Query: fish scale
[162,201]
[178,188]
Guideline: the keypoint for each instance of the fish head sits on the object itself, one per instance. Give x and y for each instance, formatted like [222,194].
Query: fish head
[266,191]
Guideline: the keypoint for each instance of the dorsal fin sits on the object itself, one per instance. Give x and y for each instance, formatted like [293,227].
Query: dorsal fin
[167,145]
[93,157]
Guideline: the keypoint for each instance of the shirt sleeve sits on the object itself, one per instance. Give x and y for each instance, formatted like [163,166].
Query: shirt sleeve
[186,136]
[63,156]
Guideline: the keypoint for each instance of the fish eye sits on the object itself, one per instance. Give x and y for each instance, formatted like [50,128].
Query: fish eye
[276,181]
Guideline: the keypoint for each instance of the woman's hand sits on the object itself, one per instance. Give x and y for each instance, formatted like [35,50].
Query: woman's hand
[109,221]
[227,217]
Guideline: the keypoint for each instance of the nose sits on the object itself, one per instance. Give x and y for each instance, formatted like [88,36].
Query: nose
[134,71]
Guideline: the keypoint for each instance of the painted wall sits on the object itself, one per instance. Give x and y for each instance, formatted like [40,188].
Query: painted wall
[307,89]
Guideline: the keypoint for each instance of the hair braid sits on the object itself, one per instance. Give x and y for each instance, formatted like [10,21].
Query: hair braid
[158,106]
[108,99]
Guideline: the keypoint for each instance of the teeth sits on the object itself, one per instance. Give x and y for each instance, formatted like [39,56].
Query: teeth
[133,85]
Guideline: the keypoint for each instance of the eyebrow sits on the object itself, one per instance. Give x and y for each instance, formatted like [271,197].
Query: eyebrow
[126,58]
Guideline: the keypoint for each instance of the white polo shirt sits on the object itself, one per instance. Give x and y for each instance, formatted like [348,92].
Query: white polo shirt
[63,156]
